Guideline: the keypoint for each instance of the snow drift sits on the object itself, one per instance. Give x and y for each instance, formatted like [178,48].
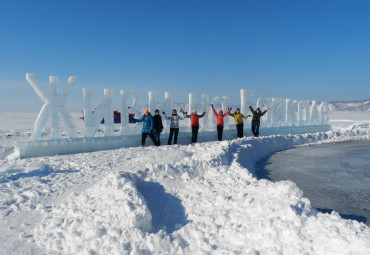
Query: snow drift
[181,199]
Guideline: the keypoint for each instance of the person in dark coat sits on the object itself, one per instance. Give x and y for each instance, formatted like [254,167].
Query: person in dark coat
[174,126]
[194,124]
[158,127]
[257,114]
[148,127]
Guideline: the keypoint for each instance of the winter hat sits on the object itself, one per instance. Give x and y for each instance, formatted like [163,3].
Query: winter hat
[146,110]
[194,111]
[156,110]
[220,111]
[237,109]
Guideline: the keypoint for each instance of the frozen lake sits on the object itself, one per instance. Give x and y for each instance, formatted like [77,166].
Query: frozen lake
[333,176]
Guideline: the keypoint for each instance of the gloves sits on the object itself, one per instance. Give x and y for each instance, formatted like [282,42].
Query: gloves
[163,112]
[212,105]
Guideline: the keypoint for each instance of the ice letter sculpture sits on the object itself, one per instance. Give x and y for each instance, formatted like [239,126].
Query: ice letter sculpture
[167,107]
[244,94]
[205,99]
[152,102]
[93,118]
[53,106]
[288,112]
[125,95]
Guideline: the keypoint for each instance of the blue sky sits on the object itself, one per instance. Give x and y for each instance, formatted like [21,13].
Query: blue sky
[289,49]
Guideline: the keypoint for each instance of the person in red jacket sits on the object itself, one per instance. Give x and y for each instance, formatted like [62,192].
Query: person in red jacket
[220,121]
[194,124]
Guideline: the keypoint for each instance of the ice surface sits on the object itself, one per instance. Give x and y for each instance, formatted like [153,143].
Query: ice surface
[332,176]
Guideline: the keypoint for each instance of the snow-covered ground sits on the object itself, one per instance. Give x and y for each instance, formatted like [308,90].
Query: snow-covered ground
[179,199]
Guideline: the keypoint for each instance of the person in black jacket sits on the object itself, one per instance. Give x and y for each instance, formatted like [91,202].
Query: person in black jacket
[158,126]
[257,114]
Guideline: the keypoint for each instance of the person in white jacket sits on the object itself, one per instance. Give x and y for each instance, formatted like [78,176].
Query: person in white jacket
[174,126]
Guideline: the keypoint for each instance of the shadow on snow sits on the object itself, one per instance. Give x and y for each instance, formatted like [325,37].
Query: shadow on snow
[166,209]
[16,174]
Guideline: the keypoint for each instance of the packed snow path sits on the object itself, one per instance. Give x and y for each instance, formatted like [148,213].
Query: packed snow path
[196,199]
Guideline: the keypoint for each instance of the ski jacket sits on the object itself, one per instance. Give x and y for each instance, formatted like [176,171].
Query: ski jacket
[256,116]
[238,117]
[175,119]
[195,118]
[220,118]
[148,123]
[158,126]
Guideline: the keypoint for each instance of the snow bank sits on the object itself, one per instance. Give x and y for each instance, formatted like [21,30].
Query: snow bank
[106,217]
[224,208]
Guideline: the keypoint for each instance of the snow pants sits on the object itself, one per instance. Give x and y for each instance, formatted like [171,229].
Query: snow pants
[143,137]
[239,128]
[194,136]
[220,130]
[172,132]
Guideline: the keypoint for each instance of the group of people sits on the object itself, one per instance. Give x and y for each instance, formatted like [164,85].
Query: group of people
[153,126]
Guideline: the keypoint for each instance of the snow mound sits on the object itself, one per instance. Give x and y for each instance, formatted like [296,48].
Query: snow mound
[106,218]
[194,199]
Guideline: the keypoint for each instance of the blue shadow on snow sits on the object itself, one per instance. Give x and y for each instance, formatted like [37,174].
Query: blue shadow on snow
[345,216]
[16,174]
[166,209]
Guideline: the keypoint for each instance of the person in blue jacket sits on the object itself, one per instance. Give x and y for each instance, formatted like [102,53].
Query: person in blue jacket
[148,127]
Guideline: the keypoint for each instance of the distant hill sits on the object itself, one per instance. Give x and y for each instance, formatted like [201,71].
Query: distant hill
[352,106]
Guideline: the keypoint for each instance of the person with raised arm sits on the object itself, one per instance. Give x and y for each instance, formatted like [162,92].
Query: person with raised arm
[220,121]
[148,127]
[194,117]
[174,125]
[257,114]
[238,117]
